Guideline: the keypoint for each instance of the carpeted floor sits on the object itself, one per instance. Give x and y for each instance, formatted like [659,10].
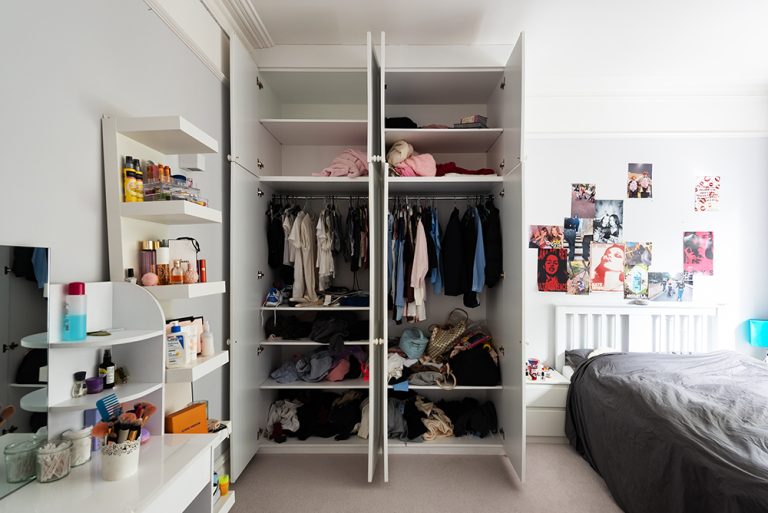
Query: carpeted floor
[558,480]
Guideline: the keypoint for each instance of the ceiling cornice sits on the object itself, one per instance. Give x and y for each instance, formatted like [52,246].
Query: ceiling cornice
[240,17]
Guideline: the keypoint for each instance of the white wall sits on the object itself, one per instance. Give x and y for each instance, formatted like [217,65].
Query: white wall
[62,70]
[740,281]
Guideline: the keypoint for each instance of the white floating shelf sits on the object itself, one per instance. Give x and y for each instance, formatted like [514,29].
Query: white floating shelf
[170,135]
[27,385]
[36,401]
[346,384]
[170,212]
[444,184]
[324,184]
[225,503]
[170,292]
[115,339]
[125,393]
[36,341]
[315,308]
[223,434]
[445,140]
[200,367]
[318,132]
[309,343]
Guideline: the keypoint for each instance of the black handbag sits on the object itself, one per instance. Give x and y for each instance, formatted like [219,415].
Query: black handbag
[475,367]
[28,372]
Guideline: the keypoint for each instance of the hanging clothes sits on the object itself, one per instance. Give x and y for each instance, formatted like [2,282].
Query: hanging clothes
[453,256]
[494,256]
[469,246]
[275,235]
[435,234]
[298,263]
[419,272]
[324,263]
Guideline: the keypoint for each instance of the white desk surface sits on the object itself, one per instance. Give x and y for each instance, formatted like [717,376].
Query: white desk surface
[162,465]
[7,439]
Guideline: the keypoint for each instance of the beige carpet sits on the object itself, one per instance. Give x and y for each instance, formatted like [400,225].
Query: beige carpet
[558,481]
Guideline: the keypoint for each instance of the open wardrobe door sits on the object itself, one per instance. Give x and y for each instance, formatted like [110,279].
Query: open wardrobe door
[376,265]
[512,412]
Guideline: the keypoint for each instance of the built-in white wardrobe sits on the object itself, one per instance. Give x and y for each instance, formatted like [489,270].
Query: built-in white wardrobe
[288,123]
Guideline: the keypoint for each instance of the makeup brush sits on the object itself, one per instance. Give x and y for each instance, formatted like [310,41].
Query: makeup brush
[100,430]
[124,422]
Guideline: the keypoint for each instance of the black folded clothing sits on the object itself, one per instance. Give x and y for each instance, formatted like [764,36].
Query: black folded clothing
[402,122]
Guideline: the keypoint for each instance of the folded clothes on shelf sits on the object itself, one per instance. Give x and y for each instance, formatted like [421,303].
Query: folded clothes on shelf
[451,169]
[349,163]
[317,413]
[400,122]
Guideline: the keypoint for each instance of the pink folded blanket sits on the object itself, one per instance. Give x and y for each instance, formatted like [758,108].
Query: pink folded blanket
[347,163]
[417,165]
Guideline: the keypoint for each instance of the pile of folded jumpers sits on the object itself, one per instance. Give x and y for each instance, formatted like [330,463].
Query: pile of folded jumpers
[348,163]
[305,413]
[404,161]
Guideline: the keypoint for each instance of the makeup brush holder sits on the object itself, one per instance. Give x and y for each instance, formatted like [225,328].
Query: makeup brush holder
[119,461]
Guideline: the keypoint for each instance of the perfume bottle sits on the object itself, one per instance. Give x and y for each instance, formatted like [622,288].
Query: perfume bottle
[163,260]
[177,275]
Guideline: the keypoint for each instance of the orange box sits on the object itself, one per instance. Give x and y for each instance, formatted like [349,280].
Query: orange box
[192,419]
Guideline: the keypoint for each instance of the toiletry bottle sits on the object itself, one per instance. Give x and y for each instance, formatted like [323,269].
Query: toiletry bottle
[107,369]
[175,347]
[147,257]
[207,340]
[177,275]
[129,276]
[79,388]
[201,271]
[74,313]
[139,180]
[129,179]
[163,260]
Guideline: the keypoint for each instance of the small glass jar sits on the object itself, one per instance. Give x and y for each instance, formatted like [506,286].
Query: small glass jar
[78,388]
[53,460]
[20,461]
[81,445]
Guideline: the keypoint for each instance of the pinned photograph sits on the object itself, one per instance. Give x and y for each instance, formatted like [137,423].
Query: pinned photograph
[609,221]
[638,253]
[670,287]
[636,281]
[553,270]
[607,267]
[640,181]
[578,278]
[583,200]
[547,237]
[707,194]
[698,252]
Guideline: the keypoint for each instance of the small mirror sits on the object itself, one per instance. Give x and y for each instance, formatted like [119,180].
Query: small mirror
[24,357]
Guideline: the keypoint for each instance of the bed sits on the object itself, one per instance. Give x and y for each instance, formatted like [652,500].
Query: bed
[667,432]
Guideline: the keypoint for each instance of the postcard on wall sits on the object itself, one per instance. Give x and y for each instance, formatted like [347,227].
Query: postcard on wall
[583,200]
[578,278]
[636,281]
[640,181]
[578,236]
[670,287]
[707,194]
[606,268]
[548,237]
[638,253]
[609,221]
[698,252]
[552,270]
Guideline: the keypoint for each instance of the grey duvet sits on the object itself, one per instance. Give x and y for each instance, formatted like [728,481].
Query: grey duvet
[674,433]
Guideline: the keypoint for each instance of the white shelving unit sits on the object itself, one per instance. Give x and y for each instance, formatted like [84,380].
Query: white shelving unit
[318,132]
[36,341]
[128,392]
[482,184]
[347,384]
[225,503]
[202,366]
[170,212]
[36,401]
[314,184]
[118,337]
[172,292]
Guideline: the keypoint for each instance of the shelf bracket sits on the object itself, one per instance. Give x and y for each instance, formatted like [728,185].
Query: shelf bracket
[503,83]
[501,193]
[259,350]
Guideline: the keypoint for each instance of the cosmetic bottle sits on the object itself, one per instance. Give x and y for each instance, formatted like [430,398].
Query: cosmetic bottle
[163,260]
[139,181]
[107,369]
[177,275]
[79,388]
[207,340]
[129,276]
[147,257]
[74,313]
[201,270]
[129,180]
[175,348]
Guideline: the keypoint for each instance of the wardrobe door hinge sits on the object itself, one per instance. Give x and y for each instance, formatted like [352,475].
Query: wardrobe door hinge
[259,433]
[501,351]
[259,350]
[6,270]
[259,84]
[229,342]
[259,274]
[259,192]
[501,193]
[502,164]
[259,164]
[503,83]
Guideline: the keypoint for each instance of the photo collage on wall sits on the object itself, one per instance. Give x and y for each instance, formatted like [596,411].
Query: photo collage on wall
[588,253]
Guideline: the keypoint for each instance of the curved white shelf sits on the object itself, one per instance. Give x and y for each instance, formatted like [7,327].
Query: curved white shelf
[346,384]
[171,135]
[170,212]
[200,367]
[170,292]
[124,393]
[318,132]
[445,140]
[36,341]
[445,184]
[115,339]
[27,385]
[309,343]
[324,184]
[36,401]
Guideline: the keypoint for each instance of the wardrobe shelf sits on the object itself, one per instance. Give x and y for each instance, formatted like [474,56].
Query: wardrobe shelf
[316,184]
[347,384]
[491,444]
[170,135]
[318,132]
[308,342]
[170,212]
[125,393]
[315,308]
[117,338]
[316,445]
[439,86]
[225,503]
[36,401]
[36,341]
[483,184]
[170,292]
[435,387]
[202,366]
[445,140]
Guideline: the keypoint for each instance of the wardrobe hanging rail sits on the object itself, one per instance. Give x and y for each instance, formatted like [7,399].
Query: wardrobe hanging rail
[320,196]
[458,197]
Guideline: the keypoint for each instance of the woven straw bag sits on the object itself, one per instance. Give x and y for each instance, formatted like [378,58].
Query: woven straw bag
[443,338]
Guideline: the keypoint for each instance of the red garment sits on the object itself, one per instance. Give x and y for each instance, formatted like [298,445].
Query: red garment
[451,167]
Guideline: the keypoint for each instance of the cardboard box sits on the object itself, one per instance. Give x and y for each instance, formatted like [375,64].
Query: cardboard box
[192,419]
